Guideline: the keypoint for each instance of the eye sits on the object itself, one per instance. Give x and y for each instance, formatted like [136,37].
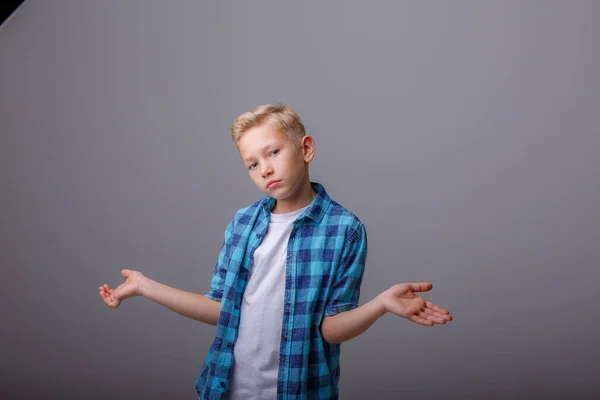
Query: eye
[252,166]
[275,152]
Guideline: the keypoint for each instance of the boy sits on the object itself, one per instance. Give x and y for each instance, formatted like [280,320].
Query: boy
[285,289]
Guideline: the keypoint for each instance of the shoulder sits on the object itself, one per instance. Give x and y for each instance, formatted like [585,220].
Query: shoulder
[342,217]
[244,216]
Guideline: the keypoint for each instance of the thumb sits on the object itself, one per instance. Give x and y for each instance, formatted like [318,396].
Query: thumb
[420,287]
[125,273]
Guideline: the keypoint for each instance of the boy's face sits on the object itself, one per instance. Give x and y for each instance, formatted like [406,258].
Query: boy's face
[275,164]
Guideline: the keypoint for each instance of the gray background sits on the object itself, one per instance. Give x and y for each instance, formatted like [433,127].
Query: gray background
[463,133]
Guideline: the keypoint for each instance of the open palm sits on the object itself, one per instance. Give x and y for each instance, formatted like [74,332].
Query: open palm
[130,288]
[401,300]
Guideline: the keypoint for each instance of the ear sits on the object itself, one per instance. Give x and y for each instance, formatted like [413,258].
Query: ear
[307,145]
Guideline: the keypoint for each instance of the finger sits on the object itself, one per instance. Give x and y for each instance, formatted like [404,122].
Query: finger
[443,314]
[437,314]
[435,307]
[434,318]
[421,321]
[420,287]
[125,273]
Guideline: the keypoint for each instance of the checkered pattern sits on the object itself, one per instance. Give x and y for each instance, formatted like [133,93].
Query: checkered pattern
[325,262]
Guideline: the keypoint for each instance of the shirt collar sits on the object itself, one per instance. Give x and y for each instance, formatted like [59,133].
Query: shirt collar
[316,209]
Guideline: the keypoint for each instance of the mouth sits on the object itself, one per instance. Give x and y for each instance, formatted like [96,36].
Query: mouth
[272,184]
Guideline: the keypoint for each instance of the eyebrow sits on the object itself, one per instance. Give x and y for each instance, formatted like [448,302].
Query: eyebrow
[275,144]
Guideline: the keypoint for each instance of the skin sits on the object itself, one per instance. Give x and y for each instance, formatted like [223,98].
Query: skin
[270,155]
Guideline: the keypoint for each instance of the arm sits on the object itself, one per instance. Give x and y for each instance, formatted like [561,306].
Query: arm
[188,304]
[192,305]
[349,324]
[399,300]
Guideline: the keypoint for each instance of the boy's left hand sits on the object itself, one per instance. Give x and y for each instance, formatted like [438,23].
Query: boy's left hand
[401,300]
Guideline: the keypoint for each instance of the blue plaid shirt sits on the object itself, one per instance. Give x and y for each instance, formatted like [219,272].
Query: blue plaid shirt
[326,255]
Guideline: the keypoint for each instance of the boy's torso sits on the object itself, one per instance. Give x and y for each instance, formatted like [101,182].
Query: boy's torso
[308,366]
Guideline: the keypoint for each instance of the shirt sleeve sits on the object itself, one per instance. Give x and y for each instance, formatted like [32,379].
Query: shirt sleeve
[220,272]
[346,286]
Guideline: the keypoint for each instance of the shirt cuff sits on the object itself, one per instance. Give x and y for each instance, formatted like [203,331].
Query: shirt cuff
[338,308]
[214,295]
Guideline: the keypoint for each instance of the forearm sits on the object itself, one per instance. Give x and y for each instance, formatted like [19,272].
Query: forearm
[188,304]
[349,324]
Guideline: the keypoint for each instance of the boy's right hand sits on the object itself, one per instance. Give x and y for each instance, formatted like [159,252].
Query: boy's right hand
[130,288]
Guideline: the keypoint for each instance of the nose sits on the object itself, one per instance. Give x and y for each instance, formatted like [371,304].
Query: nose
[266,169]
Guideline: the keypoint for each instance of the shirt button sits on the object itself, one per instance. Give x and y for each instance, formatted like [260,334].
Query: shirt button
[230,345]
[258,235]
[236,307]
[222,384]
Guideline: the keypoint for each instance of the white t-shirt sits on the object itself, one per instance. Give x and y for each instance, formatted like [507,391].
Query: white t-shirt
[256,352]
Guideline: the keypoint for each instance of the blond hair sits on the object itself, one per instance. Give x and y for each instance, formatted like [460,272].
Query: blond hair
[279,115]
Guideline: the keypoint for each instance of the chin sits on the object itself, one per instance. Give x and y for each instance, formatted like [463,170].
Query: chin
[279,195]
